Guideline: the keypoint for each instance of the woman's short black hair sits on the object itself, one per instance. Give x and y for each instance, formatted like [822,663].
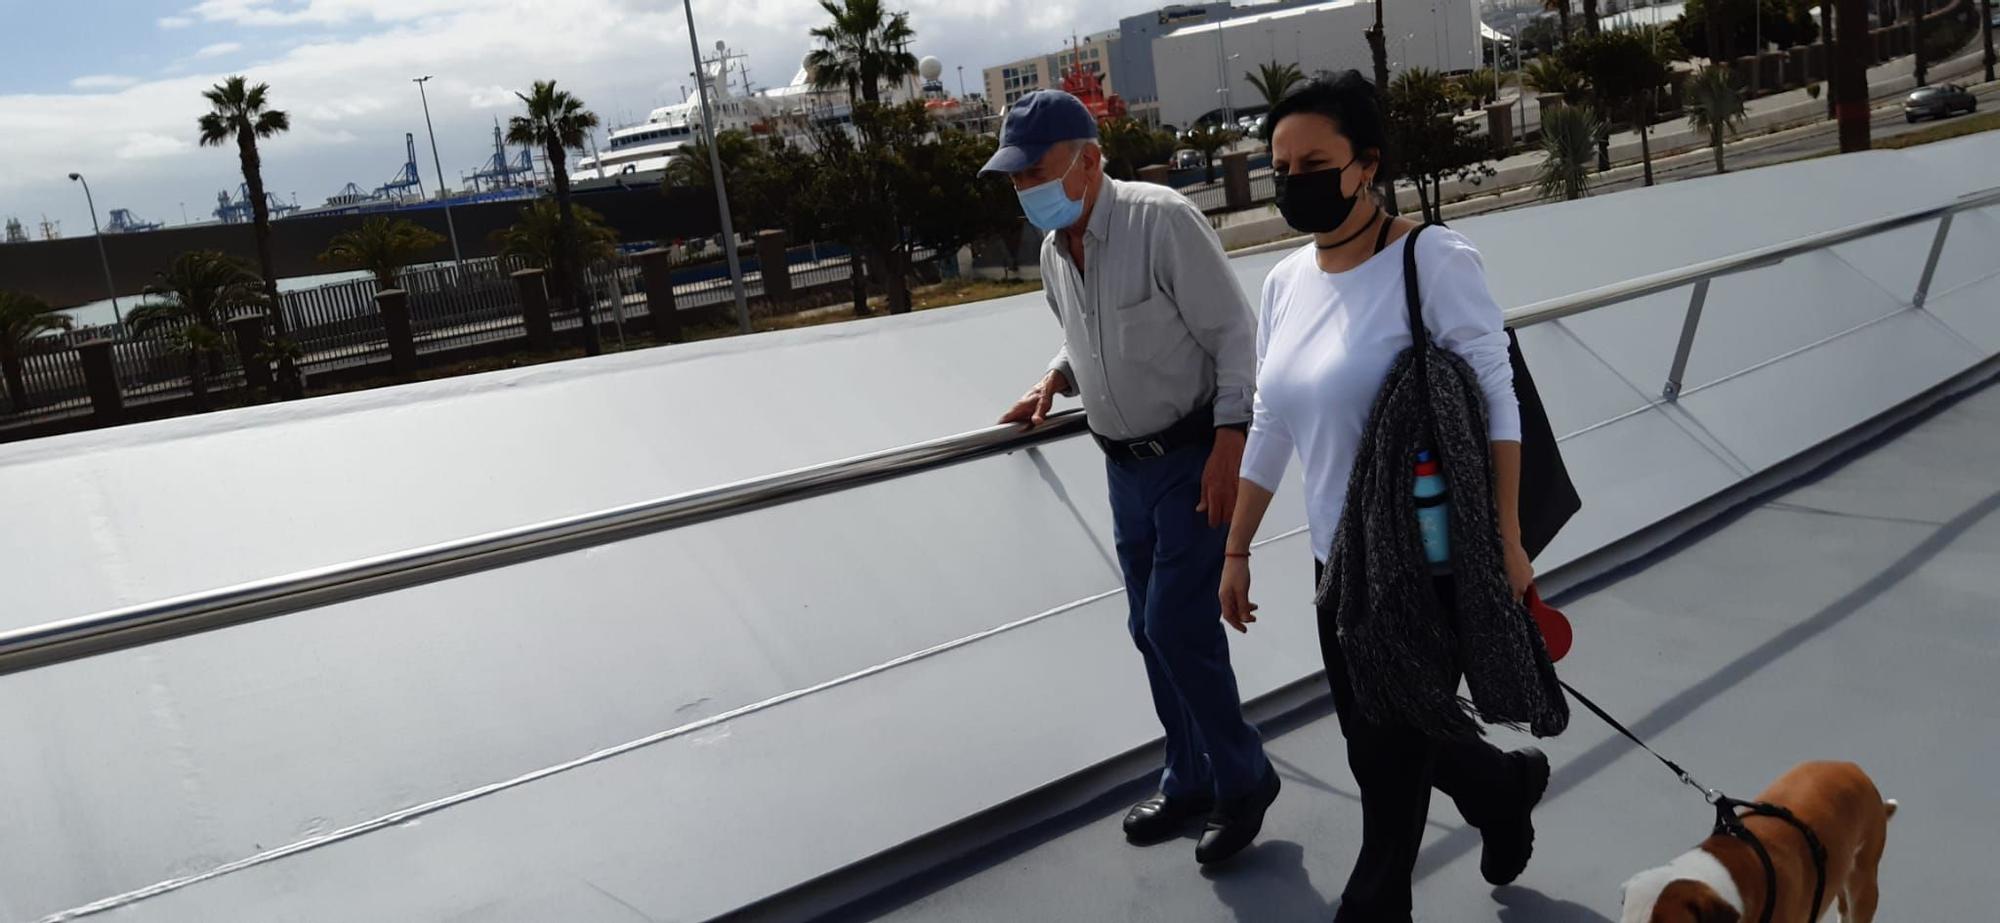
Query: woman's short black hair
[1348,99]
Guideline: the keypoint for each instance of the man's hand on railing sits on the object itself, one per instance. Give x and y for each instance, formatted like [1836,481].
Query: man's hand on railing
[1033,407]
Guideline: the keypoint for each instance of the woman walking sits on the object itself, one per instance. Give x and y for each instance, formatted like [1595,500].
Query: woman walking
[1333,327]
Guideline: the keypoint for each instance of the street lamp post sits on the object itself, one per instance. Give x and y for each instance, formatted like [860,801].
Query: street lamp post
[1222,74]
[449,226]
[715,170]
[103,256]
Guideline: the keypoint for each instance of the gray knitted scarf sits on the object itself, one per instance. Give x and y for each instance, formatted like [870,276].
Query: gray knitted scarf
[1406,649]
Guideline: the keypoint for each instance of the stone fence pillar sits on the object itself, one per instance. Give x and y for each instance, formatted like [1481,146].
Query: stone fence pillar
[100,381]
[249,331]
[1236,180]
[534,296]
[775,265]
[656,266]
[394,303]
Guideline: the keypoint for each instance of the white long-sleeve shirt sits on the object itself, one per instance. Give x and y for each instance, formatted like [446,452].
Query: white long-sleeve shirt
[1324,345]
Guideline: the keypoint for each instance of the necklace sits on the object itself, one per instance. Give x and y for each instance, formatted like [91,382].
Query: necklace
[1354,236]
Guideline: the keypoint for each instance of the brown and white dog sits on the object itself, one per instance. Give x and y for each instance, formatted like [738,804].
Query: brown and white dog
[1721,881]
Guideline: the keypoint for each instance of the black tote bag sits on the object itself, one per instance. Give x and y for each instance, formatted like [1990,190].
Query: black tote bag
[1548,497]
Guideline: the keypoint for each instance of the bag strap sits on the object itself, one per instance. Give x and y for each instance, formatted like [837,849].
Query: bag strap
[1413,297]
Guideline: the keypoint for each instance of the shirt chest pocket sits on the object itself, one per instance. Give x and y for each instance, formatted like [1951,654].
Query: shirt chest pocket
[1144,326]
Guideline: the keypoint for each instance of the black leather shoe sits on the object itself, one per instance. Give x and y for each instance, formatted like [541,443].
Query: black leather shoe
[1510,841]
[1237,820]
[1159,818]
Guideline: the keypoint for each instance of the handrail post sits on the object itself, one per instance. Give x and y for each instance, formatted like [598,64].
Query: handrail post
[1930,263]
[1672,392]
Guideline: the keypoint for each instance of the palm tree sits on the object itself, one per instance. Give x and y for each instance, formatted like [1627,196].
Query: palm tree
[557,122]
[241,113]
[1568,135]
[1548,74]
[1274,80]
[535,237]
[1714,106]
[1210,140]
[864,46]
[1561,9]
[383,246]
[195,298]
[23,319]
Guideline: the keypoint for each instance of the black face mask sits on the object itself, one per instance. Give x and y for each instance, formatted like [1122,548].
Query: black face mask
[1312,202]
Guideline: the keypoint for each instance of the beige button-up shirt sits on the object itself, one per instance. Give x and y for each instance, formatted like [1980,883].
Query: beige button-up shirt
[1154,326]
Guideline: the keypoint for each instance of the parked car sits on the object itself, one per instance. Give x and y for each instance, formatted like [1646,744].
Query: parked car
[1186,158]
[1938,102]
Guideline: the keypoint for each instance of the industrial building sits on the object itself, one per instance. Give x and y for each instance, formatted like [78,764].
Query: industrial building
[1008,82]
[1201,71]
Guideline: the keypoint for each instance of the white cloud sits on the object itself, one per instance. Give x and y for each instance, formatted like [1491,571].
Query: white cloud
[176,22]
[342,71]
[493,97]
[146,145]
[103,82]
[219,49]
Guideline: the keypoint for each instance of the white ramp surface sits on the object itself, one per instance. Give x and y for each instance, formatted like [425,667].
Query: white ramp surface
[675,726]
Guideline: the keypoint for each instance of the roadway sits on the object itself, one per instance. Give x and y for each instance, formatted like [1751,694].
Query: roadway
[1797,144]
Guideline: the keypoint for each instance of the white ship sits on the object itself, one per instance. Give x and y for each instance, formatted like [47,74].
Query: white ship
[642,150]
[645,148]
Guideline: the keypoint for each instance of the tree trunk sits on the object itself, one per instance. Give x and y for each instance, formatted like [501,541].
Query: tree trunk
[1644,113]
[1385,170]
[1826,19]
[566,240]
[17,388]
[1424,197]
[1986,36]
[1603,135]
[898,260]
[1562,16]
[1852,87]
[290,386]
[1590,17]
[198,378]
[857,277]
[1917,42]
[1208,163]
[1715,142]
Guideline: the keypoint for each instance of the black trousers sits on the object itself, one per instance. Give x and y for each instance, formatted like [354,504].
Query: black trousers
[1396,768]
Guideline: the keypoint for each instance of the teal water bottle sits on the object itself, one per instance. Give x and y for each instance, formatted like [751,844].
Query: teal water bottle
[1433,512]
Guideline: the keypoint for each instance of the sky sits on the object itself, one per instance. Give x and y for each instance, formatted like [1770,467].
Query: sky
[111,88]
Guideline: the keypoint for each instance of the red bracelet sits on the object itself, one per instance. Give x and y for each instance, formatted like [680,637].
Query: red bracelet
[1236,554]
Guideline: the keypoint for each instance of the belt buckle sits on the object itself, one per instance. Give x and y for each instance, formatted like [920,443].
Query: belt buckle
[1151,448]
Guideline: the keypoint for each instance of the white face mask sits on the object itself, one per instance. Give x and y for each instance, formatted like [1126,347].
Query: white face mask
[1046,204]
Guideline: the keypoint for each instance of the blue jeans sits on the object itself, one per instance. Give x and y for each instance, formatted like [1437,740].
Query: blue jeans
[1172,561]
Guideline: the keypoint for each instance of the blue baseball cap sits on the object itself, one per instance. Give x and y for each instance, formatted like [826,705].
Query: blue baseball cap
[1035,123]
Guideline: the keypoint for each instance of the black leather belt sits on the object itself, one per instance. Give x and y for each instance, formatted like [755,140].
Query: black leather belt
[1197,428]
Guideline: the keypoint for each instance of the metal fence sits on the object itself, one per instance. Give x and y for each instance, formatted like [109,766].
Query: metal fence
[339,325]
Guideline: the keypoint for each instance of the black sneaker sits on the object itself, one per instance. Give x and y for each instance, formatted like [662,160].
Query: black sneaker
[1510,841]
[1237,820]
[1161,818]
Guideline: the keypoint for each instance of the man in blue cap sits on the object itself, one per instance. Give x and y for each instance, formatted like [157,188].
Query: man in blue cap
[1161,345]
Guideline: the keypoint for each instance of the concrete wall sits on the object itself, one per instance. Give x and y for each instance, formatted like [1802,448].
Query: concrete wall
[67,271]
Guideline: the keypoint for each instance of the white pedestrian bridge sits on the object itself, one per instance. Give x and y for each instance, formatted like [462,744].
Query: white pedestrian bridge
[742,629]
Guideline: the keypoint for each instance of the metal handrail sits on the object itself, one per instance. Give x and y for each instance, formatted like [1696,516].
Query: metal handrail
[133,626]
[1760,258]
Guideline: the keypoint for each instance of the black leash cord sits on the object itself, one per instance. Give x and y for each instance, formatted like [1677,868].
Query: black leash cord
[1728,823]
